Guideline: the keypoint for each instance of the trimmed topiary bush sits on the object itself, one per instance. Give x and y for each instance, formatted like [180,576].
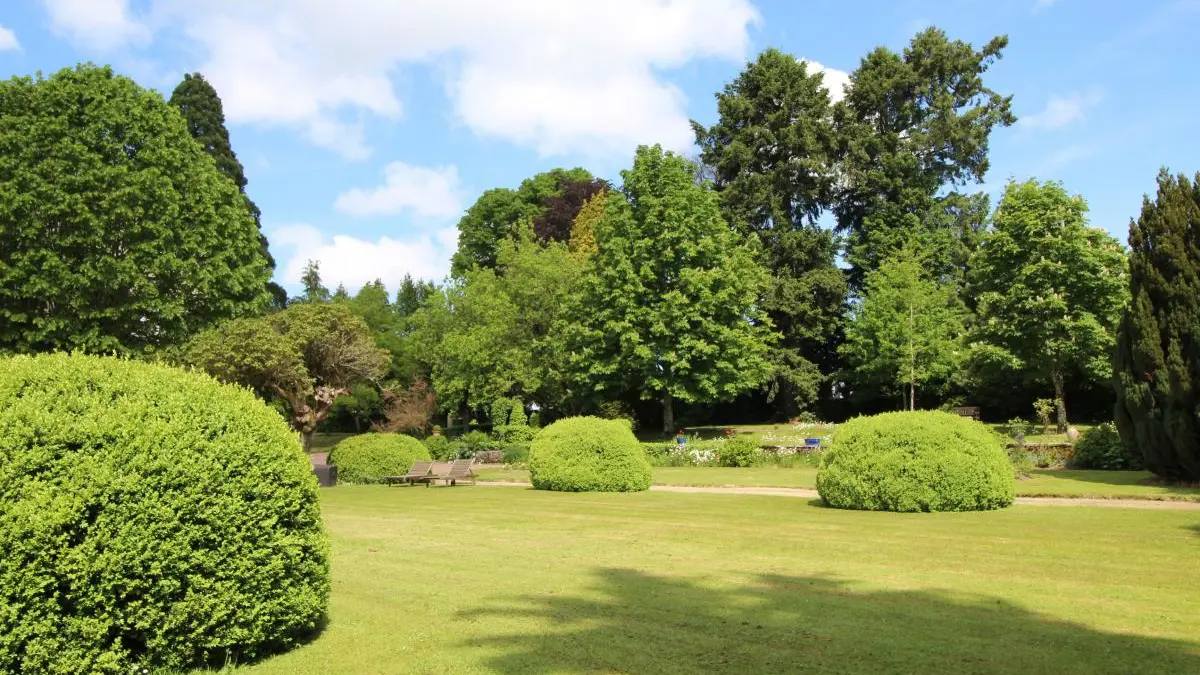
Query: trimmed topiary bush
[1101,447]
[370,458]
[588,454]
[915,461]
[149,518]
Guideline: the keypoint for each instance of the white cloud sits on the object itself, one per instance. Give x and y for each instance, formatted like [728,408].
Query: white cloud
[354,262]
[557,76]
[427,192]
[98,24]
[8,40]
[1061,111]
[836,81]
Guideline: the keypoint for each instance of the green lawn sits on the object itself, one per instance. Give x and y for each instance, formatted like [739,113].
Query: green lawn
[504,580]
[1044,483]
[324,442]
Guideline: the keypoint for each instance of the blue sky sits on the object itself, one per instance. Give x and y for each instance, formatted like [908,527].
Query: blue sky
[366,127]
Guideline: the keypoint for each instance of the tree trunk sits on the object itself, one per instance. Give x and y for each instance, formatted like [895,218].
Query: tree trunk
[912,396]
[307,436]
[668,413]
[1060,399]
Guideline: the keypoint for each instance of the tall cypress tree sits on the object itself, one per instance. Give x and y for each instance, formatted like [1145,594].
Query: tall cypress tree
[201,107]
[1157,362]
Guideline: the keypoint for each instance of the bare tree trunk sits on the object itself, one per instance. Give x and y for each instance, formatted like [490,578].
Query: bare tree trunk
[307,437]
[668,413]
[1060,399]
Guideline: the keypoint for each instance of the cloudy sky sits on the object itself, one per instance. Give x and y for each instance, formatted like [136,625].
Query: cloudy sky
[367,126]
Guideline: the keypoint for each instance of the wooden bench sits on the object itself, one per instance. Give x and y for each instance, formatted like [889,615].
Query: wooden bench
[971,411]
[419,473]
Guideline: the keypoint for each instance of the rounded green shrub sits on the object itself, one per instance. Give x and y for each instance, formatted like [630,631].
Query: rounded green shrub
[915,461]
[369,458]
[588,454]
[738,451]
[1101,447]
[149,518]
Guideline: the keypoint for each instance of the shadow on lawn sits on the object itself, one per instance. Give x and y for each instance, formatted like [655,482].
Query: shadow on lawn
[1117,478]
[642,625]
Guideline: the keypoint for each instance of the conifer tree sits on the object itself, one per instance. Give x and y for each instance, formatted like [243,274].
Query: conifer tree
[1157,361]
[201,107]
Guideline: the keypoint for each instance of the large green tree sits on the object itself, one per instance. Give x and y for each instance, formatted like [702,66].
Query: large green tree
[201,108]
[117,233]
[307,356]
[504,213]
[1157,363]
[668,303]
[1049,290]
[492,333]
[912,126]
[772,155]
[907,331]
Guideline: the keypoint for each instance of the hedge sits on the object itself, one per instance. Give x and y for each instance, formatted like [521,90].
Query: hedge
[370,458]
[588,454]
[149,518]
[916,461]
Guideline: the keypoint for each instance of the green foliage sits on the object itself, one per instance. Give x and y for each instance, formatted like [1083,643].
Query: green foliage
[516,453]
[772,154]
[475,442]
[149,518]
[912,125]
[1016,427]
[355,411]
[369,458]
[907,332]
[1049,290]
[1022,460]
[502,214]
[1101,447]
[442,448]
[1157,362]
[915,461]
[739,451]
[493,333]
[668,305]
[314,289]
[308,355]
[119,233]
[1044,409]
[588,454]
[201,108]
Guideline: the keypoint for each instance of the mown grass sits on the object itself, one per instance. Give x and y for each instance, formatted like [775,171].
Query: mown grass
[1042,483]
[504,580]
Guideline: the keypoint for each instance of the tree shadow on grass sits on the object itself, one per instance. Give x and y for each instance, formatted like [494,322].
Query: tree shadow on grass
[640,624]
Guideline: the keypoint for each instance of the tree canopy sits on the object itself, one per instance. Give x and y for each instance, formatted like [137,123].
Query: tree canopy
[306,355]
[1157,362]
[1049,289]
[911,125]
[503,213]
[668,304]
[908,330]
[772,154]
[118,233]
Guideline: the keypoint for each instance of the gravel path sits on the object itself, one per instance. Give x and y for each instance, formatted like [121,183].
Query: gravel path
[812,494]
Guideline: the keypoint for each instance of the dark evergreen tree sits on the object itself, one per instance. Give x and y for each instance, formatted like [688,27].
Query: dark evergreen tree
[1157,361]
[912,125]
[411,296]
[771,155]
[201,107]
